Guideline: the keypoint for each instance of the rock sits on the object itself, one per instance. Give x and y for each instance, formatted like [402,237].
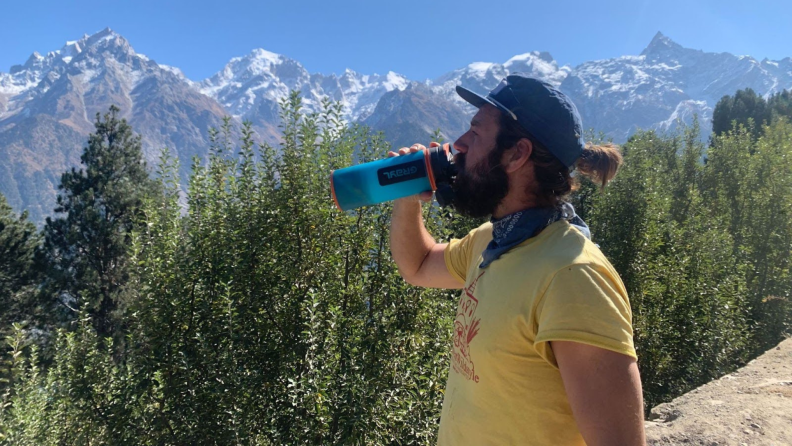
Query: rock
[664,414]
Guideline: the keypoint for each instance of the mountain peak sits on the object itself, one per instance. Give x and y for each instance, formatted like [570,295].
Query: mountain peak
[35,57]
[529,58]
[104,35]
[660,43]
[72,48]
[264,55]
[36,62]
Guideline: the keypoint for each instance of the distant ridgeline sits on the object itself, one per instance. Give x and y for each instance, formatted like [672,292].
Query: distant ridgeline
[48,104]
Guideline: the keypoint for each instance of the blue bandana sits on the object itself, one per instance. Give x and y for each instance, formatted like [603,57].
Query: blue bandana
[513,229]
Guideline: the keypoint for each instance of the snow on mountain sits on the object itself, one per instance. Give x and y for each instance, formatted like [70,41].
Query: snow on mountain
[539,64]
[482,77]
[664,84]
[23,78]
[262,78]
[49,104]
[85,64]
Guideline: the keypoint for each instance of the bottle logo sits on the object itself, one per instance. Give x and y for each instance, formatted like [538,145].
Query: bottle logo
[395,173]
[403,172]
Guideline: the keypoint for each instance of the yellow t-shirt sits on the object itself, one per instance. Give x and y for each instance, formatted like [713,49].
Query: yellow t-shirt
[504,386]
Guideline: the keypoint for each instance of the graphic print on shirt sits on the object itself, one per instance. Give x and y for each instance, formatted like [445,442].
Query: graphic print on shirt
[466,327]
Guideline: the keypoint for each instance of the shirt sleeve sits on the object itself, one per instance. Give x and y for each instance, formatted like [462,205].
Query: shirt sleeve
[457,255]
[586,304]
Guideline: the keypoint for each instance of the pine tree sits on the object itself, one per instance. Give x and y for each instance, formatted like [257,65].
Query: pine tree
[85,248]
[18,242]
[18,279]
[780,106]
[744,108]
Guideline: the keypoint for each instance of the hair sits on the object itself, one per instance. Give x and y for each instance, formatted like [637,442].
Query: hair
[555,181]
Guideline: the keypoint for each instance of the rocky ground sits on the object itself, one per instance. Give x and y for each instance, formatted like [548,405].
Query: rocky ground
[752,406]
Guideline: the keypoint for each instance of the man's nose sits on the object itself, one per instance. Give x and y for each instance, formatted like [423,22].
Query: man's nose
[460,146]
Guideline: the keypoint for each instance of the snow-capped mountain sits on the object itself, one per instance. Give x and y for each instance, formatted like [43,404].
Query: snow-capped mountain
[482,77]
[49,103]
[413,114]
[666,82]
[251,86]
[665,85]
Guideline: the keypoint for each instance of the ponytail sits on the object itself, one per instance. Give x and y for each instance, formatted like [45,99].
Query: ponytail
[599,163]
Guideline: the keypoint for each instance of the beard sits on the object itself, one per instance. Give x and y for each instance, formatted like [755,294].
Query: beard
[479,191]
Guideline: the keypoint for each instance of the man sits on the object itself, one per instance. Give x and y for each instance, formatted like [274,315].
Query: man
[543,351]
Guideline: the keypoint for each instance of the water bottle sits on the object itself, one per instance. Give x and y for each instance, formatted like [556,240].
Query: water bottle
[379,181]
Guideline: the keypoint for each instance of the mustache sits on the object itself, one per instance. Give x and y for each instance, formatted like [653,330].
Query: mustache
[460,163]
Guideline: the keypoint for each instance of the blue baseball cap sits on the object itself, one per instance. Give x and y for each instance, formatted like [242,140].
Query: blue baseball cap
[541,109]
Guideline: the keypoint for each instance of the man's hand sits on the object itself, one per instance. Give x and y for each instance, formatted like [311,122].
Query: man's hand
[423,196]
[604,390]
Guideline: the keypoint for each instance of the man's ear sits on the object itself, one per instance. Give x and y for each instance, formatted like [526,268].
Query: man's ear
[518,156]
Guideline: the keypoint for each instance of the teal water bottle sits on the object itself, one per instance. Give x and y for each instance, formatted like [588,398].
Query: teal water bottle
[384,180]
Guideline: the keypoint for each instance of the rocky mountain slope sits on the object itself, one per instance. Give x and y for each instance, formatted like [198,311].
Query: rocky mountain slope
[51,101]
[666,83]
[260,79]
[48,104]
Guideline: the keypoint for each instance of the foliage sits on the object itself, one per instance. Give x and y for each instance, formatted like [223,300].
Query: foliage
[675,259]
[745,108]
[85,249]
[703,248]
[750,110]
[18,281]
[749,186]
[264,315]
[18,276]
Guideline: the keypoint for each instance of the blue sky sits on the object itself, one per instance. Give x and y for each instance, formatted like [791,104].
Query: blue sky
[420,39]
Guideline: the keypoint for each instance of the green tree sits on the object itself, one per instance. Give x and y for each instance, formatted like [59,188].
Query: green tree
[85,248]
[19,240]
[780,105]
[745,108]
[687,291]
[18,280]
[748,184]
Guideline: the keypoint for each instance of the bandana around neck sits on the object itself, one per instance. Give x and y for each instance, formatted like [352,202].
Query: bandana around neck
[513,229]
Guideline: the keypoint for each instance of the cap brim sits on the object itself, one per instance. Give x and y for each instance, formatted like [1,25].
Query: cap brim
[477,100]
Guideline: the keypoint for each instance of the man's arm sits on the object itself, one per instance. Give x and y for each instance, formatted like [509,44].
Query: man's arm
[604,390]
[420,259]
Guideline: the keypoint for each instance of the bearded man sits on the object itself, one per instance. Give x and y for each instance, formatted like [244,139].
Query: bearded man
[543,344]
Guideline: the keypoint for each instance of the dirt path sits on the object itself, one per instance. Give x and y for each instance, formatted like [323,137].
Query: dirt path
[752,406]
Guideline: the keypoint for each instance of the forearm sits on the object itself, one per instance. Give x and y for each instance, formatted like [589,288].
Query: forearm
[410,241]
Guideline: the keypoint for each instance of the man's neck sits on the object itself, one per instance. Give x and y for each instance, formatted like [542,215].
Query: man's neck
[511,204]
